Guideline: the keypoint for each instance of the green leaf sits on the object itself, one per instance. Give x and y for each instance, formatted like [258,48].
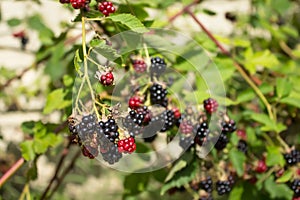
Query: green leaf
[283,87]
[274,156]
[77,61]
[177,167]
[27,127]
[259,59]
[135,183]
[101,48]
[269,125]
[27,150]
[35,22]
[55,100]
[238,159]
[286,176]
[181,178]
[14,22]
[236,193]
[277,190]
[129,21]
[68,80]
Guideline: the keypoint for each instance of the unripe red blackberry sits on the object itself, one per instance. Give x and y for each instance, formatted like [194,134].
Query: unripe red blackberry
[139,66]
[106,8]
[135,102]
[261,166]
[107,79]
[78,4]
[186,127]
[127,145]
[210,105]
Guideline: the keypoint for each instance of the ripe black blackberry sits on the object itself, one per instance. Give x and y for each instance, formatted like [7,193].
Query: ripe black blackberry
[223,187]
[242,146]
[222,142]
[158,66]
[158,95]
[228,126]
[295,186]
[112,154]
[292,158]
[169,120]
[186,142]
[201,130]
[86,127]
[207,184]
[110,129]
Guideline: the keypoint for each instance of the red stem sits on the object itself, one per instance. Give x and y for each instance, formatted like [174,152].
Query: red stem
[185,9]
[11,171]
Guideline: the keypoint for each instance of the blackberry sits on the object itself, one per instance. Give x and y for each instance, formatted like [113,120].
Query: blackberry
[210,105]
[86,128]
[127,145]
[139,66]
[201,130]
[77,4]
[158,95]
[110,129]
[261,166]
[222,142]
[89,151]
[228,127]
[107,79]
[112,154]
[158,66]
[106,8]
[169,120]
[242,146]
[24,42]
[207,184]
[186,127]
[146,113]
[186,142]
[223,187]
[295,186]
[292,158]
[135,102]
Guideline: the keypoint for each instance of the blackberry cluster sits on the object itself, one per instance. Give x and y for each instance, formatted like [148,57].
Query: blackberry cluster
[295,186]
[111,154]
[292,158]
[242,146]
[158,95]
[78,4]
[158,66]
[186,141]
[110,129]
[201,130]
[169,120]
[139,66]
[186,127]
[222,142]
[223,187]
[210,105]
[207,184]
[135,102]
[146,113]
[228,126]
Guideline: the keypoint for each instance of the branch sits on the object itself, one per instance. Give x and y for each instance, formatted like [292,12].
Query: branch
[240,68]
[186,8]
[11,171]
[65,172]
[57,169]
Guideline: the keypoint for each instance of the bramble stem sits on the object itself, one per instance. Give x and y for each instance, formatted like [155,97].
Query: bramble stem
[237,65]
[11,171]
